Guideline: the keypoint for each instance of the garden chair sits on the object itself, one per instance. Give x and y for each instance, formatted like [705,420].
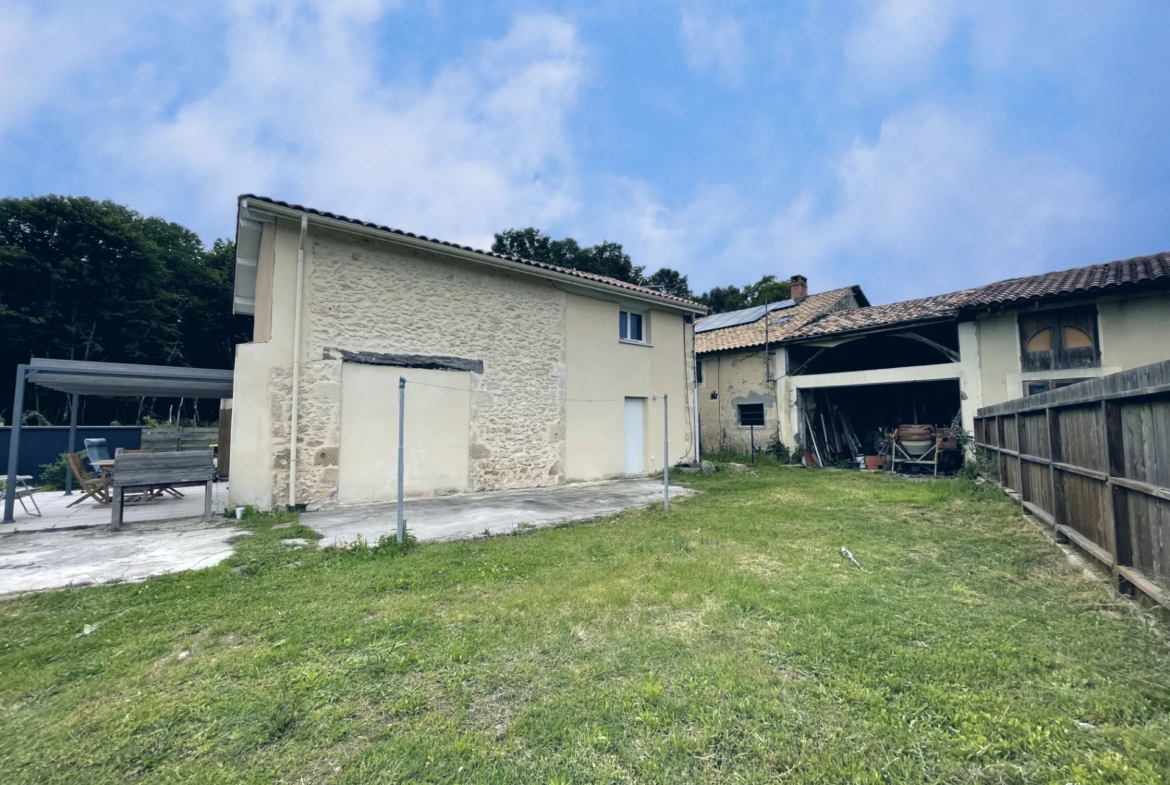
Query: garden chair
[96,488]
[23,491]
[96,450]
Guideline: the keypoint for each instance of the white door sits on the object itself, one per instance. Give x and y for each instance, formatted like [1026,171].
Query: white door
[635,435]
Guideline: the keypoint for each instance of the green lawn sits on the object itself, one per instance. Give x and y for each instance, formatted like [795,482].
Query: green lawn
[725,641]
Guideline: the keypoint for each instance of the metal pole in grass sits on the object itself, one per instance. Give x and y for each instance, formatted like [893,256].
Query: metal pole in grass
[665,456]
[72,441]
[14,443]
[401,462]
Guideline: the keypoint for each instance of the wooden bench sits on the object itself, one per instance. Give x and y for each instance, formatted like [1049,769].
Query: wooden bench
[161,470]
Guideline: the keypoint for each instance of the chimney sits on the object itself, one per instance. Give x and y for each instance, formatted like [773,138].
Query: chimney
[799,287]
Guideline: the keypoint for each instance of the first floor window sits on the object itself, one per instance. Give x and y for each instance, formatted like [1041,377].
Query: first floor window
[630,326]
[751,414]
[1059,339]
[698,371]
[1035,388]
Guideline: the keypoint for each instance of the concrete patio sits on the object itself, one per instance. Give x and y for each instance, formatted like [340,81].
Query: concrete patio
[75,547]
[56,514]
[464,516]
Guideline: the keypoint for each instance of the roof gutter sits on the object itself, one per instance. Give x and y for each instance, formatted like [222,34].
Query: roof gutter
[472,256]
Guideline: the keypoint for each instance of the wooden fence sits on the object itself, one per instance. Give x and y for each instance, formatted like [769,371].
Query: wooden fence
[179,438]
[1093,461]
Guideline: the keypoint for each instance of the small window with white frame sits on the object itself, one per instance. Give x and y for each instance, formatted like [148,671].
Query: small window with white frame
[631,327]
[699,372]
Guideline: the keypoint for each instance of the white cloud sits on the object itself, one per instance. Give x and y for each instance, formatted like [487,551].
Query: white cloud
[291,100]
[42,48]
[938,202]
[899,39]
[713,43]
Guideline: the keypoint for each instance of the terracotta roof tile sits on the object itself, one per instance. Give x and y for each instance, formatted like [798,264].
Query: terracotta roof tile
[940,306]
[527,262]
[1141,270]
[781,324]
[1096,277]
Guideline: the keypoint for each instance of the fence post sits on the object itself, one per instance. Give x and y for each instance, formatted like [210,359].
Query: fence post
[1054,456]
[401,461]
[1118,505]
[665,456]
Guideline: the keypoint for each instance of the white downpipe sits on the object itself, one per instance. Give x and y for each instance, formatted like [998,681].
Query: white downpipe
[296,378]
[695,424]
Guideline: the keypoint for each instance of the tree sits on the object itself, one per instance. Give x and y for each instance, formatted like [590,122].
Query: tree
[605,258]
[670,281]
[722,299]
[90,280]
[766,290]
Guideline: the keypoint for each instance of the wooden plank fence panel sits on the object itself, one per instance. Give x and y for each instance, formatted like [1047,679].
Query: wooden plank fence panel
[1035,434]
[1038,482]
[177,439]
[1084,509]
[1080,437]
[1093,460]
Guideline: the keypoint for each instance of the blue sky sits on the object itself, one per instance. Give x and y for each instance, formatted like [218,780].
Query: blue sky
[911,146]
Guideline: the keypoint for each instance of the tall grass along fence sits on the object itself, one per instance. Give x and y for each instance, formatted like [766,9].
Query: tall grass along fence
[1093,461]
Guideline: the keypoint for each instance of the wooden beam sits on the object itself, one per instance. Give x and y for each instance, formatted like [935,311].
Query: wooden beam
[1144,585]
[1087,545]
[1141,487]
[1073,469]
[805,364]
[1039,512]
[951,354]
[422,361]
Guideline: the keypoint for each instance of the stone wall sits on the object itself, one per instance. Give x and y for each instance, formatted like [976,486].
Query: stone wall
[364,295]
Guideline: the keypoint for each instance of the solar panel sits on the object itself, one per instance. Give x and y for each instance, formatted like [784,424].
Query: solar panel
[735,318]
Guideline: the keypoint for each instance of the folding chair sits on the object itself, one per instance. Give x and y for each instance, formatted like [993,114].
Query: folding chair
[23,491]
[96,488]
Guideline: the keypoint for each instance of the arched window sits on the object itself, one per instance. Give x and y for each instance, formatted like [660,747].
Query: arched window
[1059,339]
[1076,338]
[1041,341]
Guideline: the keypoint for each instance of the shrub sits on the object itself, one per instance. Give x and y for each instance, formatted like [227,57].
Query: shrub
[53,474]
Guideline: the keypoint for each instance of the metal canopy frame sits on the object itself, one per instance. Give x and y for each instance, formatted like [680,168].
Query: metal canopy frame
[111,380]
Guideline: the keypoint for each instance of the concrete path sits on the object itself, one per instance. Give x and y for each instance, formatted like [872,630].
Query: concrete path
[54,559]
[469,515]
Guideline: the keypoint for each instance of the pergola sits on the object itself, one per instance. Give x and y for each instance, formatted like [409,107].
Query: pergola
[120,380]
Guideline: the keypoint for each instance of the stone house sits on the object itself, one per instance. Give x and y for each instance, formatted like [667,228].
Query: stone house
[931,359]
[736,370]
[518,374]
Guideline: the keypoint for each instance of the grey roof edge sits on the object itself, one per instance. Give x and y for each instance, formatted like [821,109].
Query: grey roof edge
[129,380]
[680,303]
